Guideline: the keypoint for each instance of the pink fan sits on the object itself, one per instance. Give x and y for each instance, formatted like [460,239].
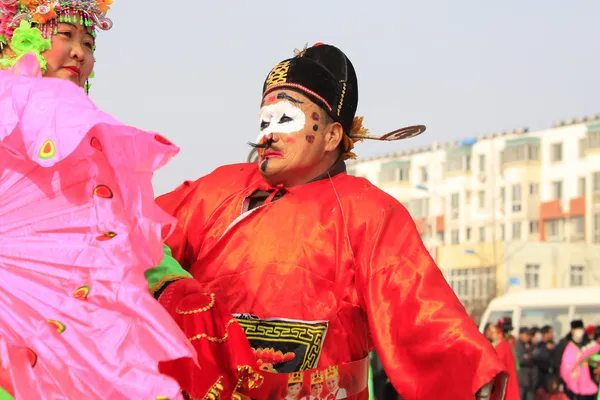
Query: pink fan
[78,228]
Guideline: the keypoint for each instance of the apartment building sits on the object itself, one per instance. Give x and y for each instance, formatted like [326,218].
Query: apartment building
[509,210]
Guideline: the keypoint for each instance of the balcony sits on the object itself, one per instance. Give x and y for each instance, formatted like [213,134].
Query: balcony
[521,152]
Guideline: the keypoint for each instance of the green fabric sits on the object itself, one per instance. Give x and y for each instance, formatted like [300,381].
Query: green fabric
[27,39]
[4,395]
[167,267]
[371,389]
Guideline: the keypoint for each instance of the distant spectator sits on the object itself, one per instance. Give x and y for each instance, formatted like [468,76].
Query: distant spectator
[543,354]
[576,375]
[527,373]
[552,390]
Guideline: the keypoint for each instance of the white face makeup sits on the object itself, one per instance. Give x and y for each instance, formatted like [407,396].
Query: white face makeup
[282,117]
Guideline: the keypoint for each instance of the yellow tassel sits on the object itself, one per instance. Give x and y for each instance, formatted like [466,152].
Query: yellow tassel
[357,130]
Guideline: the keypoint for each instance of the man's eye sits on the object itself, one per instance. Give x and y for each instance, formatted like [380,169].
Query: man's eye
[284,118]
[264,125]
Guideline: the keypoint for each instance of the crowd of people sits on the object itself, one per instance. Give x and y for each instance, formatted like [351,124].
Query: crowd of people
[546,369]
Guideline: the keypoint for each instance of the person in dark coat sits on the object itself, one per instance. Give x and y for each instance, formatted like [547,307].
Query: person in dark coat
[527,371]
[543,354]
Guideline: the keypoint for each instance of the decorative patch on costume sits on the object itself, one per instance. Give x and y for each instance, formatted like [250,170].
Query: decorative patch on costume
[283,345]
[95,143]
[106,236]
[32,356]
[310,138]
[48,150]
[162,140]
[60,327]
[82,293]
[278,74]
[103,191]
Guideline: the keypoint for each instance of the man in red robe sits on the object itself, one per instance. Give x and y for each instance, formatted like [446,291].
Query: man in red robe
[320,267]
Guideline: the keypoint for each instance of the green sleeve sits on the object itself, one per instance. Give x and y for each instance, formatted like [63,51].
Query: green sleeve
[167,271]
[4,395]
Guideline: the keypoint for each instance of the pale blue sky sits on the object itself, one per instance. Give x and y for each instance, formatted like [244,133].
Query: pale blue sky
[194,71]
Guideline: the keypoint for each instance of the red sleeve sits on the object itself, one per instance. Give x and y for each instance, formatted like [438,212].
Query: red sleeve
[429,347]
[182,203]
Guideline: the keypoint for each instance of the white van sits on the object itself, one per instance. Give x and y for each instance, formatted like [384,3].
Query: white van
[539,307]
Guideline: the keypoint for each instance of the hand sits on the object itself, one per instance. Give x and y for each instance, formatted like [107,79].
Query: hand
[550,346]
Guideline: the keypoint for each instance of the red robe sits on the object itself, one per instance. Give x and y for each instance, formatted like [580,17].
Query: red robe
[337,258]
[506,355]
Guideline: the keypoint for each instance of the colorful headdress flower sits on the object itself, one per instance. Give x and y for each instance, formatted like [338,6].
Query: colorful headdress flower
[47,14]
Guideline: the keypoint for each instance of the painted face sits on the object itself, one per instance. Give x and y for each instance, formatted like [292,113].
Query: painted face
[294,390]
[299,135]
[71,57]
[332,384]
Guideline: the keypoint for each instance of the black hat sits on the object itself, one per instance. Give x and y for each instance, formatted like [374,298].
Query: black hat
[324,74]
[577,324]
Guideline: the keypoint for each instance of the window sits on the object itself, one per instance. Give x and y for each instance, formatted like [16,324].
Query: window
[596,182]
[578,224]
[556,150]
[557,318]
[454,205]
[481,199]
[557,190]
[591,141]
[424,175]
[482,163]
[516,198]
[526,152]
[553,231]
[516,230]
[532,276]
[502,198]
[534,226]
[419,207]
[468,198]
[534,189]
[577,275]
[474,283]
[394,173]
[502,232]
[581,186]
[482,234]
[468,234]
[468,163]
[454,237]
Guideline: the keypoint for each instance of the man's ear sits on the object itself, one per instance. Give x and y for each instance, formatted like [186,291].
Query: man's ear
[333,136]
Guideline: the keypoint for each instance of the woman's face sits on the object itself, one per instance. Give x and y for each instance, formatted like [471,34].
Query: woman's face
[71,57]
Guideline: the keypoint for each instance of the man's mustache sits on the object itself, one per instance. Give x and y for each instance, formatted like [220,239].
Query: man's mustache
[268,143]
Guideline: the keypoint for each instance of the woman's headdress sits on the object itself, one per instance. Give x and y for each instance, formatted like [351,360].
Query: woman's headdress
[47,14]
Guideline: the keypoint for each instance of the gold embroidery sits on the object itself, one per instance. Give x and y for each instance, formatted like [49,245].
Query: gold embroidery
[215,390]
[214,339]
[164,280]
[307,335]
[278,73]
[248,379]
[339,110]
[198,310]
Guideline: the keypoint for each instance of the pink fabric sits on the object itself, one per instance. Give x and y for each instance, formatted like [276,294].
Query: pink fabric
[576,376]
[53,221]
